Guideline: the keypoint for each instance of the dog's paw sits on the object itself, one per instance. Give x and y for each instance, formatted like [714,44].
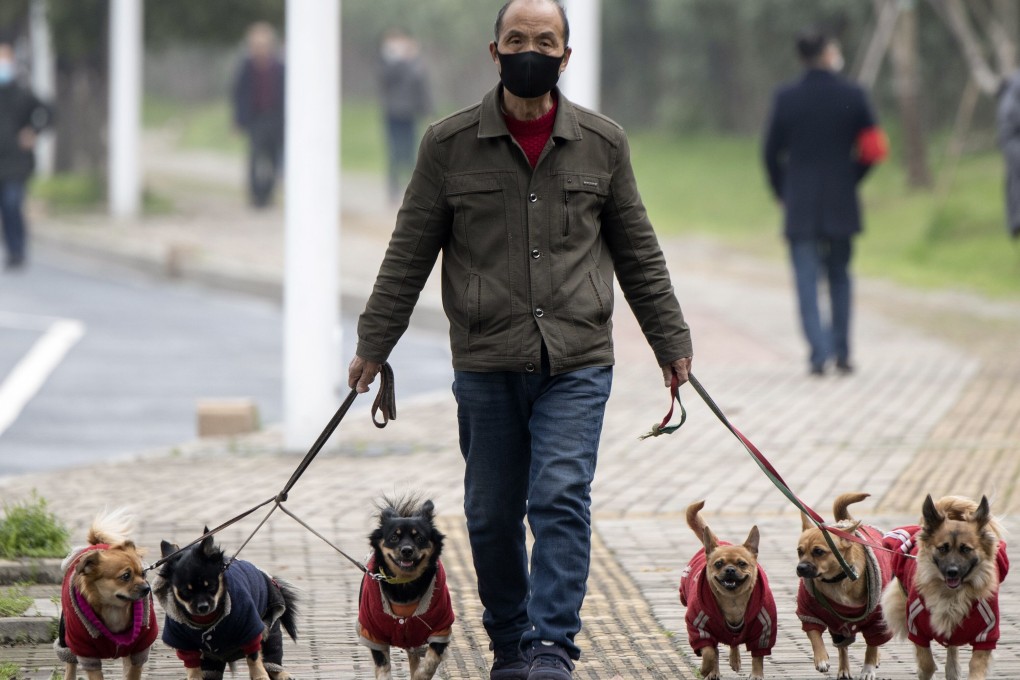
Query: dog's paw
[867,673]
[822,665]
[754,676]
[844,675]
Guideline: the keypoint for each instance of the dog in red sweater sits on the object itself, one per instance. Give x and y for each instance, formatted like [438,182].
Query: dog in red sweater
[828,600]
[728,600]
[106,603]
[404,601]
[946,589]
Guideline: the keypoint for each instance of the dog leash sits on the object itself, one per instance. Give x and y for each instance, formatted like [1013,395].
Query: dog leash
[385,403]
[760,460]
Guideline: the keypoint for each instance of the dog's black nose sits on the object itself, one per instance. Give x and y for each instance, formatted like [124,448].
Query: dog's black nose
[806,570]
[407,552]
[952,572]
[203,607]
[144,590]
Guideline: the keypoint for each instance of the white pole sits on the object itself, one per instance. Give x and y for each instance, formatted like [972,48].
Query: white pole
[125,107]
[311,342]
[581,80]
[44,79]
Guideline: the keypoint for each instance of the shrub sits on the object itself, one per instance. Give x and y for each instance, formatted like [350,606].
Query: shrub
[14,601]
[29,529]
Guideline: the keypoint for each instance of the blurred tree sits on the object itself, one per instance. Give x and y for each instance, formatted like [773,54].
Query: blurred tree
[906,58]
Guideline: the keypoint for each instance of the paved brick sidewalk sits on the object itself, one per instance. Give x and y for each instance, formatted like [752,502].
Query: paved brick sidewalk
[934,408]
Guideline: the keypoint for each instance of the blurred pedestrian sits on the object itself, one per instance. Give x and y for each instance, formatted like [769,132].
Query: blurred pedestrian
[1009,142]
[22,117]
[406,100]
[258,110]
[533,203]
[822,139]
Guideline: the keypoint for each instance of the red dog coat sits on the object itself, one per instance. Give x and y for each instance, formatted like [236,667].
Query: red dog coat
[382,623]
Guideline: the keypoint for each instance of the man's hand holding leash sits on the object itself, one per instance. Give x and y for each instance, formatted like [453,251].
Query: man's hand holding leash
[681,368]
[361,373]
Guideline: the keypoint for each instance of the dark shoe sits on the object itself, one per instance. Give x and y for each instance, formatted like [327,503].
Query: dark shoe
[510,664]
[817,370]
[844,367]
[550,662]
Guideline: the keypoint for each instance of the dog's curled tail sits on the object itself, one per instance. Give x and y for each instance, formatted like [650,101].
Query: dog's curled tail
[840,506]
[289,617]
[112,527]
[694,520]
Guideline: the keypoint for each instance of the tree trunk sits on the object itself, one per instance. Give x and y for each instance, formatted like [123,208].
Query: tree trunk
[81,118]
[907,80]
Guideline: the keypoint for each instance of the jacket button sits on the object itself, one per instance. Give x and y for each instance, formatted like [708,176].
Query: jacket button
[539,312]
[533,197]
[536,253]
[529,367]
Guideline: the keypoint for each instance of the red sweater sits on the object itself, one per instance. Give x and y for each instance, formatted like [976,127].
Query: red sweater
[706,625]
[980,628]
[532,135]
[85,635]
[382,623]
[845,622]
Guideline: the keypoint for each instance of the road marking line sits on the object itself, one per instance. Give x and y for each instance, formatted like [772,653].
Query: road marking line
[31,373]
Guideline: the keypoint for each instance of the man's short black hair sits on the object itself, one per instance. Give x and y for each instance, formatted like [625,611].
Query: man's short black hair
[812,42]
[559,6]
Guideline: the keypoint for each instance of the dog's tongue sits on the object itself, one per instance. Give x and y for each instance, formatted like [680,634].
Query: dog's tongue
[954,582]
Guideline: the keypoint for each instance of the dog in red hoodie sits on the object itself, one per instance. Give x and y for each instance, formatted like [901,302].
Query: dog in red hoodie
[106,603]
[728,600]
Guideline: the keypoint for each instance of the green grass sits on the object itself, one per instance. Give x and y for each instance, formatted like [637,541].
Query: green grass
[716,186]
[14,601]
[29,529]
[71,193]
[9,670]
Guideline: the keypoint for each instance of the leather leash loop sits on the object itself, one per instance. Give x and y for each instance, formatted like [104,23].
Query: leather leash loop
[385,400]
[674,399]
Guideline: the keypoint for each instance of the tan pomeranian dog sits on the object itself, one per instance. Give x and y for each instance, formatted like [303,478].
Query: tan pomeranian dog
[946,589]
[728,600]
[828,599]
[106,603]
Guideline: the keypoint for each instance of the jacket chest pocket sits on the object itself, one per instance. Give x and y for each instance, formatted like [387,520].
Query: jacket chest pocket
[583,198]
[478,203]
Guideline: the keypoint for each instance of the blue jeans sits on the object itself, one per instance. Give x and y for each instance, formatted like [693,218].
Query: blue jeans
[530,442]
[402,148]
[12,195]
[811,258]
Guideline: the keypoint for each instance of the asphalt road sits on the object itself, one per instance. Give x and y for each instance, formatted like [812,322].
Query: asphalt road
[98,362]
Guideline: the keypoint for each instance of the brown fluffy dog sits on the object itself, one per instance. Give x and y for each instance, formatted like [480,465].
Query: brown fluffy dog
[728,600]
[106,603]
[828,600]
[950,593]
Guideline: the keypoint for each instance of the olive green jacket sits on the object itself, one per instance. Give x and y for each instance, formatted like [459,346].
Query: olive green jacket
[528,255]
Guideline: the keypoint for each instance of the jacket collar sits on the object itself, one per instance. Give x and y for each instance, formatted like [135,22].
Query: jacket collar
[492,124]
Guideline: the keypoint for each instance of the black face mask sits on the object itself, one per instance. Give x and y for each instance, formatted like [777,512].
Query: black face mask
[529,74]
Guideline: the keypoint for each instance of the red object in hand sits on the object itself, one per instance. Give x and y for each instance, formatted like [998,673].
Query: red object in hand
[872,146]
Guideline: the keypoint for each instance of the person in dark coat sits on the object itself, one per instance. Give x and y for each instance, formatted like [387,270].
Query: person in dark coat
[405,96]
[1009,142]
[258,97]
[22,116]
[822,139]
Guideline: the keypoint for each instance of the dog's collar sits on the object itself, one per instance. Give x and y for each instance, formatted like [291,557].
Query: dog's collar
[393,580]
[837,579]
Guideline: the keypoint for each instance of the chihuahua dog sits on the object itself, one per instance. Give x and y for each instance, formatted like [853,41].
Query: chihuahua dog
[828,600]
[218,611]
[404,599]
[728,600]
[948,572]
[106,603]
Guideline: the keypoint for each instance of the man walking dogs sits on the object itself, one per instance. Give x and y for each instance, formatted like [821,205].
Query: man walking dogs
[822,139]
[533,203]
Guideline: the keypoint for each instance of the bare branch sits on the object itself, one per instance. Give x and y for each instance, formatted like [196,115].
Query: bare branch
[957,19]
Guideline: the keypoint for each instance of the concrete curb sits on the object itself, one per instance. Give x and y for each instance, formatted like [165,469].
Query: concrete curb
[28,630]
[31,570]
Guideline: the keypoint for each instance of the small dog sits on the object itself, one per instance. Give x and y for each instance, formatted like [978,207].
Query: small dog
[728,600]
[106,604]
[827,599]
[218,611]
[950,592]
[404,600]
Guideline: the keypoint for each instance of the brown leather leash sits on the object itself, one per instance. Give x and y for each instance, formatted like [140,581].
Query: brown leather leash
[385,403]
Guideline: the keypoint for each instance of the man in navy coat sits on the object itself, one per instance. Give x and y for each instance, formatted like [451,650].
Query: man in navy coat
[822,139]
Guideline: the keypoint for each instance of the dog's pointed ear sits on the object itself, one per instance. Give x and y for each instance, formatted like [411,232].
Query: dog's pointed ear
[428,511]
[89,563]
[933,519]
[709,540]
[388,513]
[167,548]
[983,514]
[753,538]
[805,522]
[208,546]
